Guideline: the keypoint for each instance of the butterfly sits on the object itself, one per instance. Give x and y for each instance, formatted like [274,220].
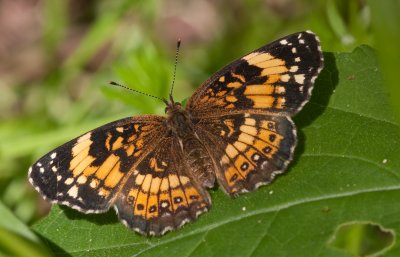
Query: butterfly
[236,130]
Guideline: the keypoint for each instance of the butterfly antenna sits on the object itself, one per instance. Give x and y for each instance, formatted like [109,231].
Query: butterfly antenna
[137,91]
[178,44]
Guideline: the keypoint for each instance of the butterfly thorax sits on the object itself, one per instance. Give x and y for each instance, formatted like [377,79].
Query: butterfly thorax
[198,160]
[178,120]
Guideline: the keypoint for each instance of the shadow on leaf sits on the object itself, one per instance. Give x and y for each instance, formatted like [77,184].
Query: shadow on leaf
[108,217]
[323,89]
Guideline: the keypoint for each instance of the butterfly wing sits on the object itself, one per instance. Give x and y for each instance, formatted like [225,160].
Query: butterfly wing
[87,172]
[276,78]
[249,149]
[161,195]
[242,113]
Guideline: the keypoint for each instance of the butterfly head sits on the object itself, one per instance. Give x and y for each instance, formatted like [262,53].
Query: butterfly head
[172,106]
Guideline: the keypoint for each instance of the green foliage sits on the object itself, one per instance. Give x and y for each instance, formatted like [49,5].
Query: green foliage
[363,239]
[348,134]
[16,239]
[345,170]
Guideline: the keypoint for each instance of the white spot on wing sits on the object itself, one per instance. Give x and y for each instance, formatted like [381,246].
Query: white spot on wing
[285,78]
[53,155]
[299,78]
[73,191]
[82,179]
[283,42]
[69,181]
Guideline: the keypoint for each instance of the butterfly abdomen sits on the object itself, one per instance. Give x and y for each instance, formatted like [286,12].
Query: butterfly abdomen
[199,161]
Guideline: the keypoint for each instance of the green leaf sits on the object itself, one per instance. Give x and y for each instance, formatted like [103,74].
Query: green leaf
[346,169]
[16,239]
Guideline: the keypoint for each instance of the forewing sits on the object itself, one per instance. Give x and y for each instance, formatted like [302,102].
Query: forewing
[249,149]
[276,78]
[86,172]
[161,195]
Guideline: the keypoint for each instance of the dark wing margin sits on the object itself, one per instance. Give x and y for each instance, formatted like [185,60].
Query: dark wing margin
[276,78]
[161,195]
[87,172]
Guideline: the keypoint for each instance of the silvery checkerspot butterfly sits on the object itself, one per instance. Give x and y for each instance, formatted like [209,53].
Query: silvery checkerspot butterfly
[236,129]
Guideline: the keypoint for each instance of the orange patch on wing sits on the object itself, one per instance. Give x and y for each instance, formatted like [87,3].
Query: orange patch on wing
[249,153]
[246,138]
[137,153]
[146,183]
[273,78]
[259,90]
[242,160]
[178,194]
[107,142]
[238,76]
[280,102]
[130,149]
[165,197]
[118,143]
[139,143]
[82,165]
[114,176]
[154,165]
[234,84]
[265,135]
[232,175]
[107,166]
[147,127]
[191,191]
[262,101]
[83,144]
[155,185]
[257,57]
[280,90]
[264,124]
[152,206]
[132,138]
[204,99]
[90,170]
[231,98]
[221,93]
[230,125]
[270,63]
[273,70]
[141,204]
[78,158]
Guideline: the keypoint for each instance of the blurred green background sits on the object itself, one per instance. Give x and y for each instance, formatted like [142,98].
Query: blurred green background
[57,57]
